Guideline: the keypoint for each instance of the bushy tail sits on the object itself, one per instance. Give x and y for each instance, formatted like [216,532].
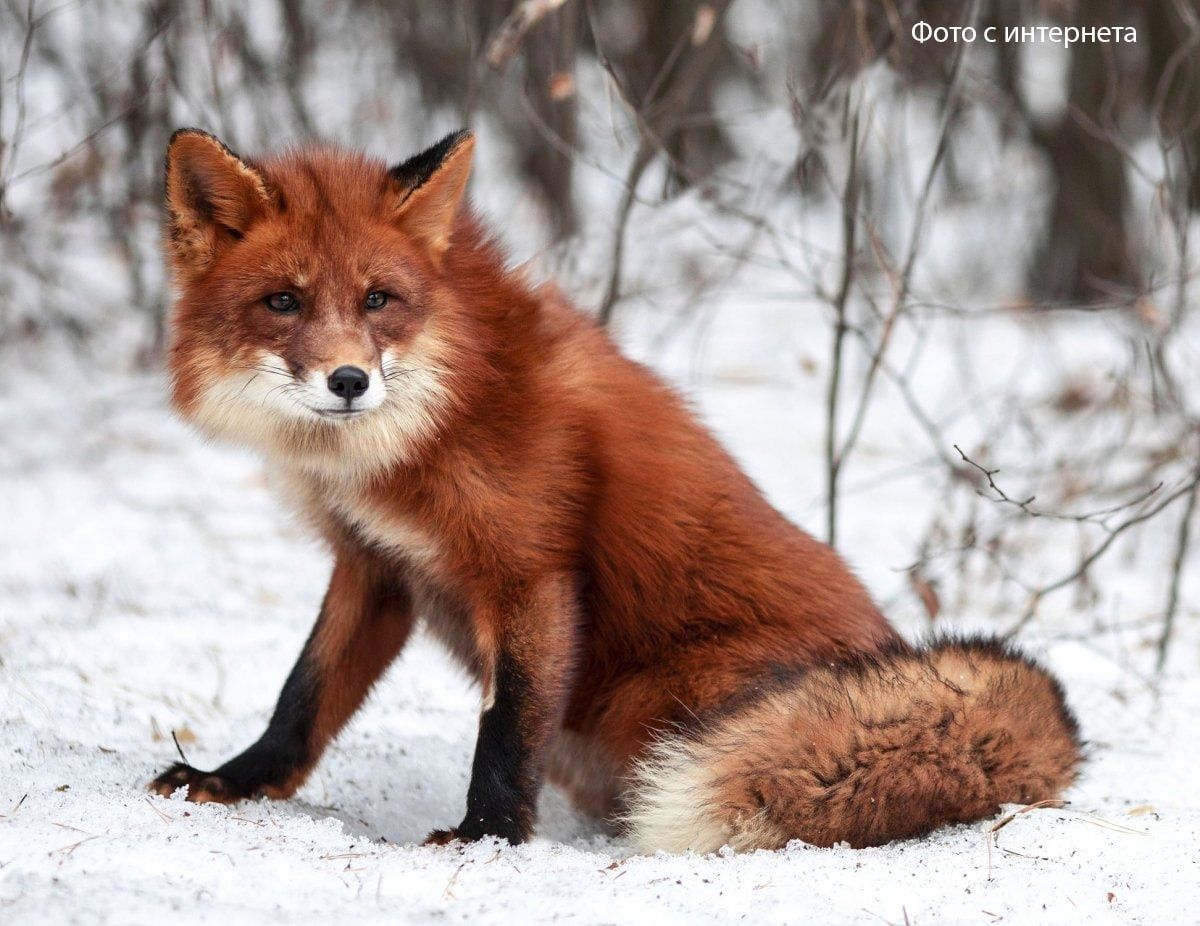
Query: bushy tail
[884,748]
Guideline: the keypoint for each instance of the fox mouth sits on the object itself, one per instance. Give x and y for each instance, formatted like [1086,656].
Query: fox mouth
[340,414]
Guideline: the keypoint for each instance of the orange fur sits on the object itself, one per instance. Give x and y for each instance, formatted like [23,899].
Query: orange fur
[552,509]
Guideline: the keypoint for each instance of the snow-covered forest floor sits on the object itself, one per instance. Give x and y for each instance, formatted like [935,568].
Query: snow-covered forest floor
[149,583]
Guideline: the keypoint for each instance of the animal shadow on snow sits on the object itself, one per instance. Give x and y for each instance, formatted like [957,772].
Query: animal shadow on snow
[400,790]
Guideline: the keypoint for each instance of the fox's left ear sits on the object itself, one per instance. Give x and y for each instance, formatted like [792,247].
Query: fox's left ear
[429,188]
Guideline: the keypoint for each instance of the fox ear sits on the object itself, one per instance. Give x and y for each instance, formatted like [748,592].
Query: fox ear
[213,197]
[430,187]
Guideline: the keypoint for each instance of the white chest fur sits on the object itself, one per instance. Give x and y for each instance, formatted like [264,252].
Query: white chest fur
[322,500]
[343,505]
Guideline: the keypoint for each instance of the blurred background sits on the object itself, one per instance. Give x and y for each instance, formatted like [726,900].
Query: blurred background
[938,295]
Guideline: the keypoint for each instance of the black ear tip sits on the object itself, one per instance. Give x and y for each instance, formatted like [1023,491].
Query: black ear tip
[209,137]
[420,167]
[454,139]
[448,145]
[188,130]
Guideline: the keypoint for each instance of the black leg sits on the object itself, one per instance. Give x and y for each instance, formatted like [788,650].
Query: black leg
[273,763]
[501,799]
[531,671]
[363,624]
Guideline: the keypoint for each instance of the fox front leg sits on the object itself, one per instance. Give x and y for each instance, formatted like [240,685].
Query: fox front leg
[364,622]
[532,644]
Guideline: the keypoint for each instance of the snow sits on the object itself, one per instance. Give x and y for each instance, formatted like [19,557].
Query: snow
[151,583]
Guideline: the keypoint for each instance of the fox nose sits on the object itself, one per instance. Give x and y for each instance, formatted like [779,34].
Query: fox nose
[347,382]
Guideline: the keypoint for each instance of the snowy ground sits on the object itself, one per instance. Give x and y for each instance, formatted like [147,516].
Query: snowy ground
[150,584]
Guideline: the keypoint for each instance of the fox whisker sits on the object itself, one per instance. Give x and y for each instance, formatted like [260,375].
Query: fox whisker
[245,386]
[269,368]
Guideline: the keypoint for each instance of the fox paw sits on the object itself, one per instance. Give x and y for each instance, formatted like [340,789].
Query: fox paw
[203,787]
[442,838]
[474,832]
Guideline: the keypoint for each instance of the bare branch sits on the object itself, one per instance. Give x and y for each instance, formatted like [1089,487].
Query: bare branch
[849,210]
[1039,594]
[1181,552]
[516,26]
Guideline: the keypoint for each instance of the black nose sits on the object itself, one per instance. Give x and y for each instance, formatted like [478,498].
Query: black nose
[348,382]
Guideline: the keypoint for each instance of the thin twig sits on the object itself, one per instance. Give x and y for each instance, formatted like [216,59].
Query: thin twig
[1086,563]
[850,197]
[612,292]
[1181,551]
[903,283]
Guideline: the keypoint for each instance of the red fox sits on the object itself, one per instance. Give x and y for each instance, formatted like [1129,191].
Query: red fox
[646,630]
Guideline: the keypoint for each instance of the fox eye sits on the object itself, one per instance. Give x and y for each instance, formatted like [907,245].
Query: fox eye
[376,300]
[282,302]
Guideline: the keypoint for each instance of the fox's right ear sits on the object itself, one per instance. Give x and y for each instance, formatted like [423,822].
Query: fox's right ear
[213,197]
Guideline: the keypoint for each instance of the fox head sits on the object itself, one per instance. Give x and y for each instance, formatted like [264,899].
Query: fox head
[314,315]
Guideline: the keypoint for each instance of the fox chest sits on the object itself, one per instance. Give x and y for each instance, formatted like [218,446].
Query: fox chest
[398,537]
[418,556]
